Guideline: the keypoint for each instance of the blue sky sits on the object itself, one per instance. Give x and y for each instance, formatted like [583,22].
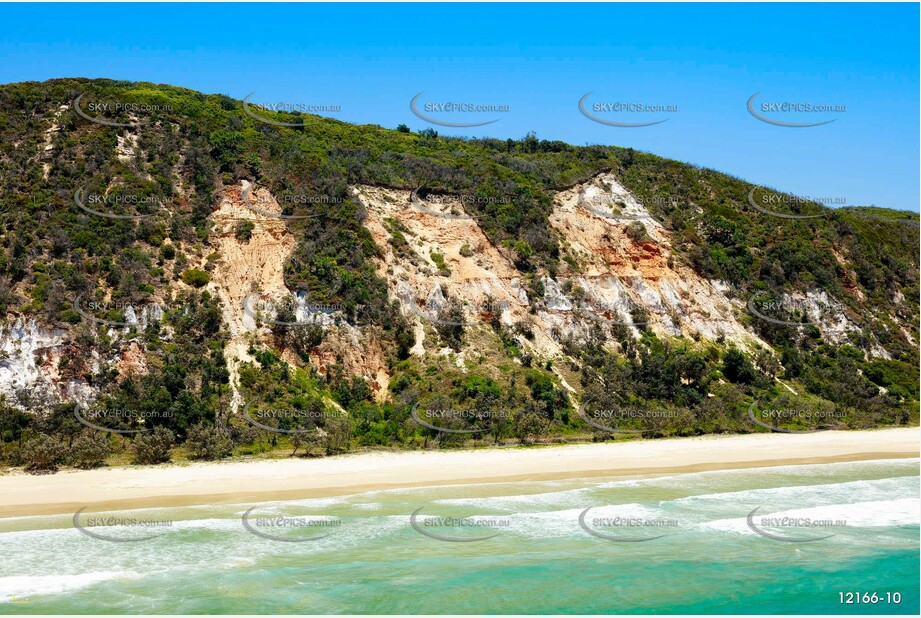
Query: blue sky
[539,60]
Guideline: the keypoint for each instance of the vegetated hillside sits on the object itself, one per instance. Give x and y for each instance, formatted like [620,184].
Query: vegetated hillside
[325,286]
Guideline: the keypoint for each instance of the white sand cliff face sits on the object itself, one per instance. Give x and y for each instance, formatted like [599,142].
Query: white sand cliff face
[612,277]
[47,149]
[481,279]
[252,271]
[244,267]
[30,370]
[617,272]
[434,254]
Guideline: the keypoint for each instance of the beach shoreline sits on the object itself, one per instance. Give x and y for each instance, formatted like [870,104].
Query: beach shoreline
[235,481]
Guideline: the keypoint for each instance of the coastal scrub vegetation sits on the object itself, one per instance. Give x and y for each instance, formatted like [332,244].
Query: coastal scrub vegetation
[156,249]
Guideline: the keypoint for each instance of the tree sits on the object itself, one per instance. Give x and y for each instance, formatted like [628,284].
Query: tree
[304,337]
[336,434]
[737,368]
[153,447]
[226,147]
[43,453]
[530,143]
[629,157]
[12,423]
[450,325]
[351,391]
[402,128]
[90,450]
[208,442]
[528,425]
[307,440]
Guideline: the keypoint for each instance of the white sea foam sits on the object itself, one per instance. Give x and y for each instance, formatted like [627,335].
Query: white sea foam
[806,495]
[520,501]
[809,471]
[368,506]
[709,504]
[565,523]
[20,587]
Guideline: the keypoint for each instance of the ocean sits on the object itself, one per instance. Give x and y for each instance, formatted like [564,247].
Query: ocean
[819,539]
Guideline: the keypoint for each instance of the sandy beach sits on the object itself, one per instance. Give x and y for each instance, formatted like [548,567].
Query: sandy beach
[259,480]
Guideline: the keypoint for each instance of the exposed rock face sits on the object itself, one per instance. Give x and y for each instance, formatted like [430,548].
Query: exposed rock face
[30,369]
[246,270]
[434,254]
[475,275]
[127,147]
[619,268]
[620,273]
[247,267]
[832,318]
[248,277]
[360,353]
[48,145]
[132,361]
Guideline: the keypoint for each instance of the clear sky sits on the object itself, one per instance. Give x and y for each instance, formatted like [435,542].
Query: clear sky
[539,60]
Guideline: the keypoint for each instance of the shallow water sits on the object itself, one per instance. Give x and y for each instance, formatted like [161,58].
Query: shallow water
[657,544]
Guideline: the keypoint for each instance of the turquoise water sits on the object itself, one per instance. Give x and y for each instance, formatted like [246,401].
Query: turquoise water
[539,559]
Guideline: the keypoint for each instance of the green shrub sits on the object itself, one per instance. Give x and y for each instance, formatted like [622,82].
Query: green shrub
[153,447]
[208,442]
[196,278]
[89,450]
[637,232]
[244,230]
[304,338]
[450,325]
[439,260]
[738,369]
[43,453]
